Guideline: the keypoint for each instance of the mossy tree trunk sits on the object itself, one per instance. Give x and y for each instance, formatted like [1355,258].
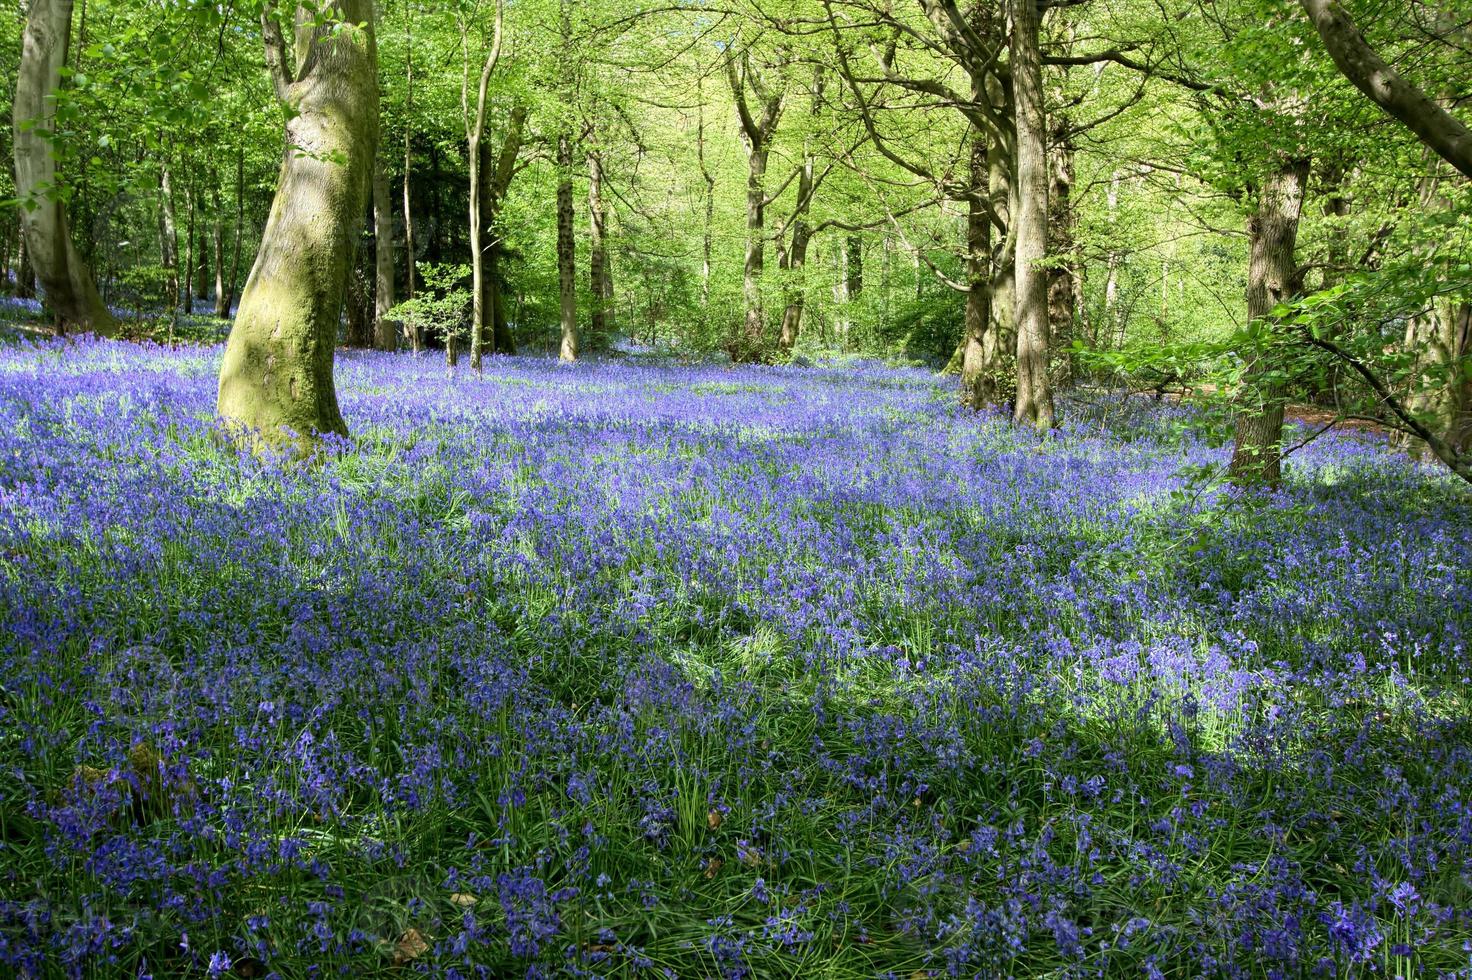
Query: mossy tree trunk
[277,373]
[71,292]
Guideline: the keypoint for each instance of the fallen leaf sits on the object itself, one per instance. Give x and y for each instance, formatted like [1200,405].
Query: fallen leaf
[410,947]
[713,819]
[463,899]
[712,866]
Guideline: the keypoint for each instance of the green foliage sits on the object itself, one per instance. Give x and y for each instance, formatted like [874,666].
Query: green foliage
[441,308]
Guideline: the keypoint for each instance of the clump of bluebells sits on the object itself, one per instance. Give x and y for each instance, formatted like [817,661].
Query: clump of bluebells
[620,670]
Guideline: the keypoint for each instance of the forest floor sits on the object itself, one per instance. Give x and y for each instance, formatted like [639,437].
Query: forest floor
[617,670]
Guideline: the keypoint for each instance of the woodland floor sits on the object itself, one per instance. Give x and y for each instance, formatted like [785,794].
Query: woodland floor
[618,670]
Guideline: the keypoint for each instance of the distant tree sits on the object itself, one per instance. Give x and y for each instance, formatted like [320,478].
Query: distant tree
[71,292]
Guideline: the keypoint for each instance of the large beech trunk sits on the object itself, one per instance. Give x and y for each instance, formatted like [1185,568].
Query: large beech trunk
[71,292]
[277,373]
[1030,313]
[1272,273]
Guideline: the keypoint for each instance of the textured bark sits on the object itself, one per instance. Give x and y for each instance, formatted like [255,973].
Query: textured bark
[1001,336]
[1063,280]
[1034,388]
[385,331]
[756,135]
[797,255]
[1438,129]
[566,252]
[978,357]
[853,260]
[277,373]
[1272,272]
[71,292]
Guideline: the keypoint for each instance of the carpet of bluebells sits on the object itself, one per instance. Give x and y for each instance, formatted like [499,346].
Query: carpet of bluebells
[648,670]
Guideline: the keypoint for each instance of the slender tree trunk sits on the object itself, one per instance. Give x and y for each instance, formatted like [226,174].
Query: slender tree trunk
[1034,389]
[1063,280]
[277,372]
[754,331]
[385,331]
[416,339]
[1000,345]
[168,231]
[222,301]
[598,281]
[1111,282]
[710,200]
[191,252]
[240,227]
[566,254]
[25,275]
[1272,233]
[71,292]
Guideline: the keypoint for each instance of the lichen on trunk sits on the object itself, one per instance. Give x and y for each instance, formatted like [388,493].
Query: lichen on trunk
[277,374]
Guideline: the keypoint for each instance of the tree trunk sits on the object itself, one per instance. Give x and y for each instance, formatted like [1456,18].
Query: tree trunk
[1063,280]
[796,260]
[566,252]
[168,234]
[1034,389]
[416,340]
[598,280]
[221,300]
[978,356]
[230,291]
[191,253]
[25,274]
[1272,233]
[710,202]
[1000,343]
[277,372]
[754,330]
[853,268]
[385,331]
[71,292]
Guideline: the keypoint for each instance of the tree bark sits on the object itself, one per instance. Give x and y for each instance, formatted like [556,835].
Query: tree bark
[978,357]
[168,234]
[239,230]
[276,381]
[25,273]
[385,331]
[1272,272]
[71,292]
[756,135]
[1438,129]
[1062,219]
[495,177]
[221,300]
[566,252]
[475,128]
[1034,389]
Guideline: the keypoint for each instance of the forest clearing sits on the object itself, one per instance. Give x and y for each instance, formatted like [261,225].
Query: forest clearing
[736,488]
